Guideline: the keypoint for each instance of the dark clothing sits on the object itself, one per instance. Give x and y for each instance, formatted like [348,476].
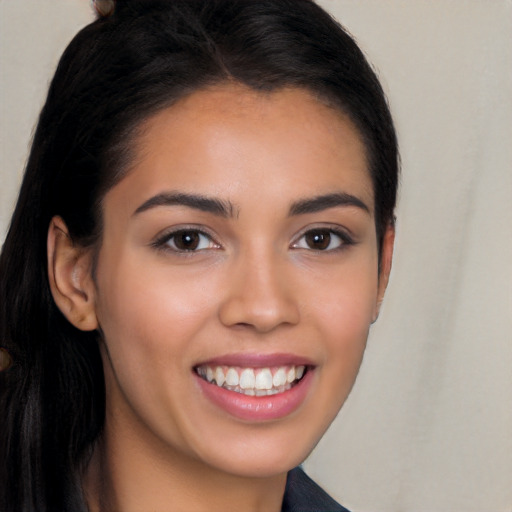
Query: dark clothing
[304,495]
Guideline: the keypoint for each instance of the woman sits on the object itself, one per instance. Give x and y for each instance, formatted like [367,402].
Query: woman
[202,239]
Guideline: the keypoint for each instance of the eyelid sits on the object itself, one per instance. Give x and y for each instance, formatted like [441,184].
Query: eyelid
[161,239]
[344,234]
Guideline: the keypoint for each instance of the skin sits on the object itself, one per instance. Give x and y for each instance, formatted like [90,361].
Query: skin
[256,285]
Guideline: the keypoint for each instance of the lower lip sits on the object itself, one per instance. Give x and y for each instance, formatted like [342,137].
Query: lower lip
[258,408]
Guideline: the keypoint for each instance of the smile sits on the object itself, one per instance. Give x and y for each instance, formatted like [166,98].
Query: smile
[257,382]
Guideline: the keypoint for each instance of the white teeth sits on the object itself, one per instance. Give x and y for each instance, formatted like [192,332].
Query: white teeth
[232,377]
[264,379]
[247,379]
[279,378]
[219,376]
[251,381]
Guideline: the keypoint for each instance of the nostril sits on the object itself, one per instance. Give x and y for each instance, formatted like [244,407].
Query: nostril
[244,315]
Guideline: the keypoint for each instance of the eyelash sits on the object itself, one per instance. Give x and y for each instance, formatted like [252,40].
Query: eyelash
[345,239]
[163,241]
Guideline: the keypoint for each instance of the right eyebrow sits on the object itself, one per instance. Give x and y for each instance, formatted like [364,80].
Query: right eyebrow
[324,202]
[198,202]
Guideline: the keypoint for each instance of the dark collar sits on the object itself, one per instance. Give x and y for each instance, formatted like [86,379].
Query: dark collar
[304,495]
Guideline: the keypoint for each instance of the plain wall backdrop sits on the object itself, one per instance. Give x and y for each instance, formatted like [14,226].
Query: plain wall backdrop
[428,426]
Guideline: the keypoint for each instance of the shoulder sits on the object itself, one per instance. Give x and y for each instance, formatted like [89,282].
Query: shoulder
[304,495]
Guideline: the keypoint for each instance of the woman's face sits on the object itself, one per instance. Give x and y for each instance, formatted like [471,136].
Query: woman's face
[238,254]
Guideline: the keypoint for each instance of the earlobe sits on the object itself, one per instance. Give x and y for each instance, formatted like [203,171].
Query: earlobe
[69,274]
[386,260]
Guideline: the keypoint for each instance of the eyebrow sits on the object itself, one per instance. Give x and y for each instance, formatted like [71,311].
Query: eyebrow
[198,202]
[226,208]
[324,202]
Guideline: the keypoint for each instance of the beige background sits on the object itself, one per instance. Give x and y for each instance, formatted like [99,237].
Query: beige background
[428,426]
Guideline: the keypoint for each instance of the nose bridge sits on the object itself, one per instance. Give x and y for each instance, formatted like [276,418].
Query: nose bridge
[258,292]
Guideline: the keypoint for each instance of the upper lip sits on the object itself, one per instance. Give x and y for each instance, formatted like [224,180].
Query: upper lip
[247,360]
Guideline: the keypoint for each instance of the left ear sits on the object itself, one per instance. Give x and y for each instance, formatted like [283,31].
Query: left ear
[386,259]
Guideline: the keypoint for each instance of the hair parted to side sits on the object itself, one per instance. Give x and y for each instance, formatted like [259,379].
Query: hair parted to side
[138,57]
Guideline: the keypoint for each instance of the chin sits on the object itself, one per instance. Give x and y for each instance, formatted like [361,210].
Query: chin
[274,451]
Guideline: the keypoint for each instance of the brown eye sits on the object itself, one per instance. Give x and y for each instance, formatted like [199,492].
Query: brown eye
[323,239]
[188,240]
[319,240]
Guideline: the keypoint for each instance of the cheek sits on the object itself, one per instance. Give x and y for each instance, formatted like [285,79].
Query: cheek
[345,307]
[150,321]
[343,316]
[150,317]
[147,297]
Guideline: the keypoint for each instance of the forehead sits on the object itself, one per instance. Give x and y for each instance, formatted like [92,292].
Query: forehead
[231,140]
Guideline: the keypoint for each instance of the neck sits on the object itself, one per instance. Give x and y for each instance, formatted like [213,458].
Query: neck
[122,477]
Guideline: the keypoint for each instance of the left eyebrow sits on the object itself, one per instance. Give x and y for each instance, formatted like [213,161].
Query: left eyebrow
[198,202]
[324,202]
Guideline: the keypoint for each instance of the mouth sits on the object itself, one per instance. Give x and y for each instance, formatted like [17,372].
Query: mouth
[250,381]
[256,387]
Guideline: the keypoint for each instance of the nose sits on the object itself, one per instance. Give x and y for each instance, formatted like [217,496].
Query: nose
[259,294]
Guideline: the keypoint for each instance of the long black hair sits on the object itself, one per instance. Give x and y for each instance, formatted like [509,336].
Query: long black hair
[143,56]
